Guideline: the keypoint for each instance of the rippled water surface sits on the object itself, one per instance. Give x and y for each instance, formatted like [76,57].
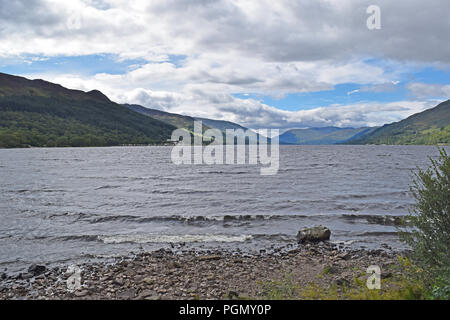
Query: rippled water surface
[59,205]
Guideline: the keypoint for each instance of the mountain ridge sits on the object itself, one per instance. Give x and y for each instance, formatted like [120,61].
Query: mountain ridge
[38,113]
[428,127]
[322,136]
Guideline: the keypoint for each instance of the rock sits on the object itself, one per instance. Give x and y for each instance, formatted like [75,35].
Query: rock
[209,258]
[232,295]
[344,256]
[341,282]
[314,234]
[36,270]
[26,276]
[126,295]
[330,269]
[145,294]
[81,294]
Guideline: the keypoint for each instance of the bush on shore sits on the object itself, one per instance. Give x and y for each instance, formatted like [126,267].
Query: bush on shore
[428,233]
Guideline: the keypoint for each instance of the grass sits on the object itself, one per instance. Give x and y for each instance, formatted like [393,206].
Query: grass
[404,286]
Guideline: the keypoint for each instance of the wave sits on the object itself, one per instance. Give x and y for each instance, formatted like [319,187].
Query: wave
[385,220]
[223,172]
[157,238]
[194,219]
[378,234]
[107,187]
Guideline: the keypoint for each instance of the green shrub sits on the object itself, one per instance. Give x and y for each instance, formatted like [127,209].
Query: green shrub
[429,233]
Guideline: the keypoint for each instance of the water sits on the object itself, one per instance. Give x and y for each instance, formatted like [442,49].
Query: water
[70,205]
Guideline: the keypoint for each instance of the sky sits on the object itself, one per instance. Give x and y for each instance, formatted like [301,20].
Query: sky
[260,63]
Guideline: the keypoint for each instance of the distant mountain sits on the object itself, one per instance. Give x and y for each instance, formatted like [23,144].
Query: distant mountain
[181,121]
[38,113]
[187,122]
[176,120]
[220,124]
[429,127]
[322,136]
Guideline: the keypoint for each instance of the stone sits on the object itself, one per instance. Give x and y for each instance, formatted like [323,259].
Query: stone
[314,234]
[36,270]
[126,295]
[342,282]
[232,295]
[81,294]
[145,294]
[344,256]
[209,258]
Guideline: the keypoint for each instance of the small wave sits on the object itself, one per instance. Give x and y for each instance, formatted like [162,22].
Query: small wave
[371,195]
[275,237]
[378,219]
[193,219]
[173,238]
[107,187]
[223,172]
[378,234]
[344,242]
[384,220]
[36,191]
[87,238]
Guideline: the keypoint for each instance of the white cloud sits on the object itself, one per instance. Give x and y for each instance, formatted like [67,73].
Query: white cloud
[425,90]
[259,47]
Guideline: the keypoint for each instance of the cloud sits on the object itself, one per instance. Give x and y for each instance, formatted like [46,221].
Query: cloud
[377,88]
[233,47]
[281,31]
[424,90]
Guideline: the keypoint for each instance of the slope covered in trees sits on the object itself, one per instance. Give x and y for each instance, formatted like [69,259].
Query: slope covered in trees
[429,127]
[38,113]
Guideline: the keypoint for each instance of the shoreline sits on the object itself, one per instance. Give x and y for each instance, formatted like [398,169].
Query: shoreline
[214,275]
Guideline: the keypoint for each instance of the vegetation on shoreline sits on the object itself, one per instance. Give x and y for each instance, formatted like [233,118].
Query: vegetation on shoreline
[429,234]
[399,287]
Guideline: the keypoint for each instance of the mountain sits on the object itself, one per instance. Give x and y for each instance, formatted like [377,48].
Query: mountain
[181,121]
[176,120]
[429,127]
[320,136]
[38,113]
[220,124]
[187,122]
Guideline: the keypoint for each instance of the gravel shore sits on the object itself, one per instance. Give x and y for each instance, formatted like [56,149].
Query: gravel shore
[167,275]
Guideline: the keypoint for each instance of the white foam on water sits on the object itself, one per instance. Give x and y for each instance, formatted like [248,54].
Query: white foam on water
[346,243]
[158,238]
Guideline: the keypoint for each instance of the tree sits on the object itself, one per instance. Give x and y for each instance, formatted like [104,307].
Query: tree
[428,233]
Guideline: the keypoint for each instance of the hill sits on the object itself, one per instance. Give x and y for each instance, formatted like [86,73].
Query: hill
[187,122]
[176,120]
[220,124]
[322,136]
[429,127]
[38,113]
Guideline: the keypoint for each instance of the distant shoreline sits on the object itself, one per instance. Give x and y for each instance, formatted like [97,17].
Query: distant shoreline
[282,145]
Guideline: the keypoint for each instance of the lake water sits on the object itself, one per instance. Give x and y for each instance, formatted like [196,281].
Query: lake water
[75,204]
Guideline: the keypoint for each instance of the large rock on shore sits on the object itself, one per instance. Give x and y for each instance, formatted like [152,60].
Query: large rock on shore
[36,270]
[314,234]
